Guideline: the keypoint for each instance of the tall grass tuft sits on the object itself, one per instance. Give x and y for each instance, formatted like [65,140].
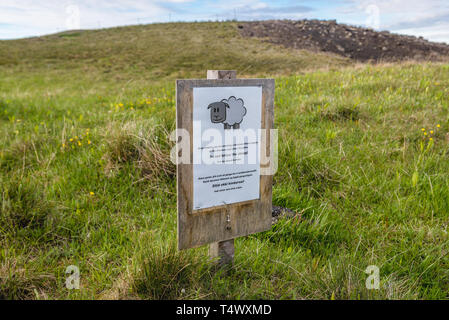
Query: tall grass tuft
[170,274]
[23,206]
[144,147]
[19,283]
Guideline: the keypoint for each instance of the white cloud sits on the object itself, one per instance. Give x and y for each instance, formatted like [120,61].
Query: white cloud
[28,18]
[437,33]
[429,18]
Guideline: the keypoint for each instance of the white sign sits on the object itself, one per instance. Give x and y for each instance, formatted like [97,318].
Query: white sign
[226,145]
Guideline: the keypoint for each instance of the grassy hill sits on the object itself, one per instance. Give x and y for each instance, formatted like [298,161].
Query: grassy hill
[157,51]
[86,179]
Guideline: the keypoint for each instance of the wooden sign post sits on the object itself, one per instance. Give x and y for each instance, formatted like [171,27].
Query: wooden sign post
[223,192]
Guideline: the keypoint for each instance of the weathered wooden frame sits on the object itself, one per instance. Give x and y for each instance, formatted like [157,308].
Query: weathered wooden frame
[200,227]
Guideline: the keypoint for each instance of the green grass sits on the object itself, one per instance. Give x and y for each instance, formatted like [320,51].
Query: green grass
[370,188]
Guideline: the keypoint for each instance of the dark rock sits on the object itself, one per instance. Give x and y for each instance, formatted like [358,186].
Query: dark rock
[328,36]
[280,212]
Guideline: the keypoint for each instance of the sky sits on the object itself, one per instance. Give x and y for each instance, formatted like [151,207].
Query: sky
[26,18]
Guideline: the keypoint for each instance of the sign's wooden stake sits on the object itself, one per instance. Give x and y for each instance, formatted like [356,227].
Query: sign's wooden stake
[223,251]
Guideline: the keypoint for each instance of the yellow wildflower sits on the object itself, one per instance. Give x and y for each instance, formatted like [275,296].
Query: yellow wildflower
[92,193]
[438,126]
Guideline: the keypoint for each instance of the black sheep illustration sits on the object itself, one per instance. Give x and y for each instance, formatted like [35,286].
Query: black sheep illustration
[230,112]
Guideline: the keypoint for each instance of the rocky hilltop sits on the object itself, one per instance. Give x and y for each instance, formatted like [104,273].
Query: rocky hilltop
[353,42]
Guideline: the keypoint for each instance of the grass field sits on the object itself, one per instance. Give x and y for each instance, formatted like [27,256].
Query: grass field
[86,178]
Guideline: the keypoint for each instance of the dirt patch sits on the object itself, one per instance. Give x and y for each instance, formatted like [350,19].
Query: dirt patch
[353,42]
